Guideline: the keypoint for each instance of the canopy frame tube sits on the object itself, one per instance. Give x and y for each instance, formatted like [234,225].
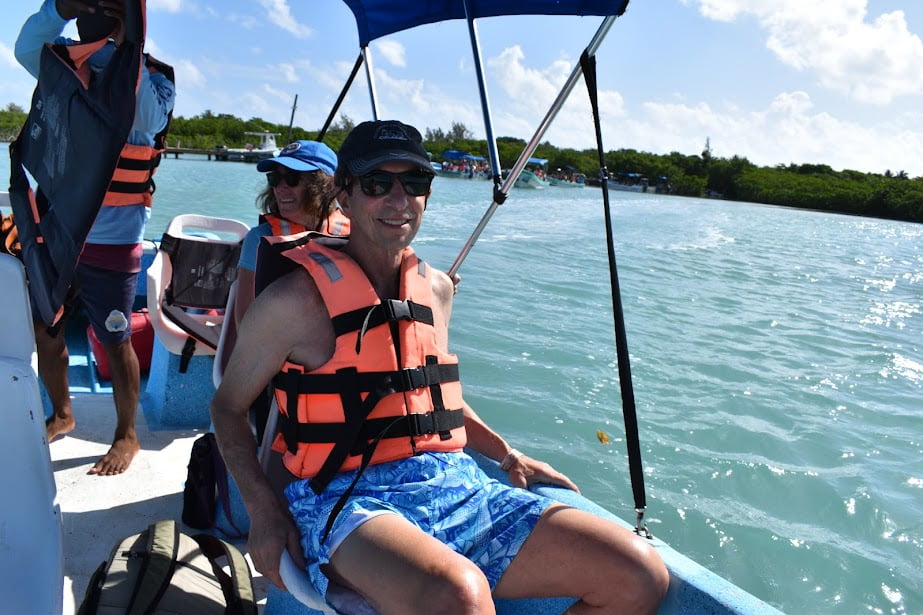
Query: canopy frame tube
[501,192]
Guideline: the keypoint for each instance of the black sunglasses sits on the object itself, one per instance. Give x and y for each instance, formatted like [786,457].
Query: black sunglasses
[275,178]
[379,183]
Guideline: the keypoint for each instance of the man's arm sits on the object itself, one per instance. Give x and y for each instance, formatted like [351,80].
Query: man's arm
[273,326]
[45,26]
[481,438]
[156,97]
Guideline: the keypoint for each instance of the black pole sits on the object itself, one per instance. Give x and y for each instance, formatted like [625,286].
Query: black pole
[629,410]
[336,105]
[291,120]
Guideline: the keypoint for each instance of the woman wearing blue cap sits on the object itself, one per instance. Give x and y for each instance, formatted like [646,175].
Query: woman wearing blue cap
[298,197]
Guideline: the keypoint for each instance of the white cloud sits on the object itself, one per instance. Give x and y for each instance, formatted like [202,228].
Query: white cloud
[530,92]
[188,75]
[280,14]
[788,130]
[7,57]
[870,60]
[287,71]
[392,51]
[170,6]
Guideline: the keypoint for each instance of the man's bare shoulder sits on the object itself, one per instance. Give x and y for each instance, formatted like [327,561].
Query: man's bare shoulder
[443,288]
[291,300]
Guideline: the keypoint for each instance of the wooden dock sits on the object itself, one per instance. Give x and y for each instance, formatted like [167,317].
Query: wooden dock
[218,152]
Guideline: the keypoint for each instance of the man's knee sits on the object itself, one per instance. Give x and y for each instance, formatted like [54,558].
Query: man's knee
[651,577]
[463,589]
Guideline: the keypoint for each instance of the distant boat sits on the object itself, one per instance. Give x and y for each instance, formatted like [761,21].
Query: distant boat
[266,149]
[629,182]
[567,178]
[462,165]
[534,176]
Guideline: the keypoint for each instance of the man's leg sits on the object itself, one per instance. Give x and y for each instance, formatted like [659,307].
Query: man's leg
[52,367]
[574,553]
[399,569]
[108,297]
[126,387]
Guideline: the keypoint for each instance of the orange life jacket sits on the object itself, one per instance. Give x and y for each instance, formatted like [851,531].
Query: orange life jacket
[377,399]
[133,180]
[335,224]
[282,226]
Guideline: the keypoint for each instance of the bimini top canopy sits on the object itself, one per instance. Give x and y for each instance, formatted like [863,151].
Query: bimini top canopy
[377,18]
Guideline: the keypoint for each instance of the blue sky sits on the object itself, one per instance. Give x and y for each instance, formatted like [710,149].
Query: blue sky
[838,82]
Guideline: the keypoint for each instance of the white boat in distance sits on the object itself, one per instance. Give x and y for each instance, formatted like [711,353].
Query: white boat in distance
[266,149]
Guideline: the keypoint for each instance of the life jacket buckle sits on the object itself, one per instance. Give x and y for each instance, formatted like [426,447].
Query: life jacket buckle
[421,424]
[413,378]
[398,310]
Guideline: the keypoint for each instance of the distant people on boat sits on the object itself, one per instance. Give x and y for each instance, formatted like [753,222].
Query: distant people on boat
[355,342]
[109,265]
[298,196]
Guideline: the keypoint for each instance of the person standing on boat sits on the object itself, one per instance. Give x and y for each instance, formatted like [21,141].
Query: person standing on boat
[388,504]
[298,197]
[110,262]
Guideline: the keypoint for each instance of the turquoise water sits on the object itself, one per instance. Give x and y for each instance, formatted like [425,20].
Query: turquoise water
[777,360]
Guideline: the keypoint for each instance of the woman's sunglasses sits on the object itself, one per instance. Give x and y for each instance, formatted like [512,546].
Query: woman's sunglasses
[275,178]
[379,183]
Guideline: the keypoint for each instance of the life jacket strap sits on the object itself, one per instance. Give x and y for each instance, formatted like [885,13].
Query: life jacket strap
[351,436]
[403,380]
[356,410]
[410,425]
[391,310]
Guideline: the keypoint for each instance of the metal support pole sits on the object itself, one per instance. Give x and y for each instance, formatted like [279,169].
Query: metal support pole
[510,179]
[373,96]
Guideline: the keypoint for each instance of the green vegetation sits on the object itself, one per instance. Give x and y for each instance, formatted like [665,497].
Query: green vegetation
[11,119]
[809,186]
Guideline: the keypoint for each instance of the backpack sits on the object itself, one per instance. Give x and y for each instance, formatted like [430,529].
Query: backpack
[207,484]
[163,571]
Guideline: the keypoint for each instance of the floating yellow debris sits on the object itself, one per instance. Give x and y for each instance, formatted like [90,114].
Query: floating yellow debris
[602,436]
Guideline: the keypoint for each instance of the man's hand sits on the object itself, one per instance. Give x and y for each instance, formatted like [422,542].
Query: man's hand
[116,9]
[526,471]
[271,531]
[69,9]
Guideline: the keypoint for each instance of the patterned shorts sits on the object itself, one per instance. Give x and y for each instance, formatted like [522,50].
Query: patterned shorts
[475,515]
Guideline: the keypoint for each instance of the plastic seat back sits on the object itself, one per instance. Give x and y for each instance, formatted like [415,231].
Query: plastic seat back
[189,281]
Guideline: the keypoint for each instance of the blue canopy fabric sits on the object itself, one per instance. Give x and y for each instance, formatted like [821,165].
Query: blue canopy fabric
[454,154]
[377,18]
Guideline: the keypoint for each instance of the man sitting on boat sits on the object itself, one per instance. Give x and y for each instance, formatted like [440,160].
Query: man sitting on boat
[110,261]
[374,425]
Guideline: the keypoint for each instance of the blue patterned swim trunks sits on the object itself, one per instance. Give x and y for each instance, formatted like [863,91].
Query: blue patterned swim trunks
[475,515]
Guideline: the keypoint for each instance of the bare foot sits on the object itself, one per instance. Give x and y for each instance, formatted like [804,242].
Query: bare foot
[58,426]
[118,458]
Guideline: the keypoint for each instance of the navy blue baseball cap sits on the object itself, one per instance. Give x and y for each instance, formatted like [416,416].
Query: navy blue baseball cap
[371,144]
[302,156]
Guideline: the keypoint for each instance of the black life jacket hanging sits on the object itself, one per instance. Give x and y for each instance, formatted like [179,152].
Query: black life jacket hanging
[70,144]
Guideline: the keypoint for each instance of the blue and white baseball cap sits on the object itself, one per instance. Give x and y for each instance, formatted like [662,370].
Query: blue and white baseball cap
[302,156]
